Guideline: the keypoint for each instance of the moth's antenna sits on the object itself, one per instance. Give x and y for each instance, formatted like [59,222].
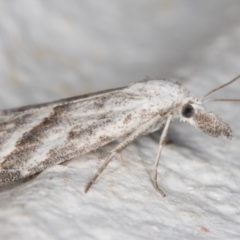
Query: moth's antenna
[221,100]
[222,86]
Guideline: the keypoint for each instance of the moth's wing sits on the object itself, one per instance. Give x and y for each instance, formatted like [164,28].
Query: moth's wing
[17,121]
[8,114]
[35,137]
[27,117]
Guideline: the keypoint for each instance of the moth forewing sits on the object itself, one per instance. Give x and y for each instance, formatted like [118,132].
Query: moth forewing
[36,137]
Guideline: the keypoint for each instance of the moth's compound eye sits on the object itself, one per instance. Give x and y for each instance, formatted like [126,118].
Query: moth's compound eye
[188,111]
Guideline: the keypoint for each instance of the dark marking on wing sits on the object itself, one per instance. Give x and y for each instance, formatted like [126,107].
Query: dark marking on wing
[28,143]
[127,119]
[58,102]
[35,135]
[7,176]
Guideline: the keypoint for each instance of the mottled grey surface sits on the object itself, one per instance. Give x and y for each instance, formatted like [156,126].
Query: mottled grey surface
[55,49]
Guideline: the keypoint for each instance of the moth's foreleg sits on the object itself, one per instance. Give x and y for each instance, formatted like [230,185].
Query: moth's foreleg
[161,142]
[130,138]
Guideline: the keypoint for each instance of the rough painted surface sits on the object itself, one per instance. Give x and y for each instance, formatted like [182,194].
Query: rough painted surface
[60,49]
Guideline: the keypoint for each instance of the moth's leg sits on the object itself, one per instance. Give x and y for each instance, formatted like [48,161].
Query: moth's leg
[130,138]
[161,143]
[120,156]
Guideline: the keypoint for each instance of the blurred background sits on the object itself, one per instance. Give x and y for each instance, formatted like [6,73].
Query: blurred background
[55,49]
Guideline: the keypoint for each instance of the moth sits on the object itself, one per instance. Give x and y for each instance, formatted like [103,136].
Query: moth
[36,137]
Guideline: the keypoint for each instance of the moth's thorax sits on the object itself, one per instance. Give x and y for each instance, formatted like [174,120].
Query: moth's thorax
[164,95]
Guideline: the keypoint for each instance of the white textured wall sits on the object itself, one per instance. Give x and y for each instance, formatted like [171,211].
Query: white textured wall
[55,49]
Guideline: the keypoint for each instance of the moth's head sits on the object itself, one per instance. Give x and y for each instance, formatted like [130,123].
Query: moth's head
[192,111]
